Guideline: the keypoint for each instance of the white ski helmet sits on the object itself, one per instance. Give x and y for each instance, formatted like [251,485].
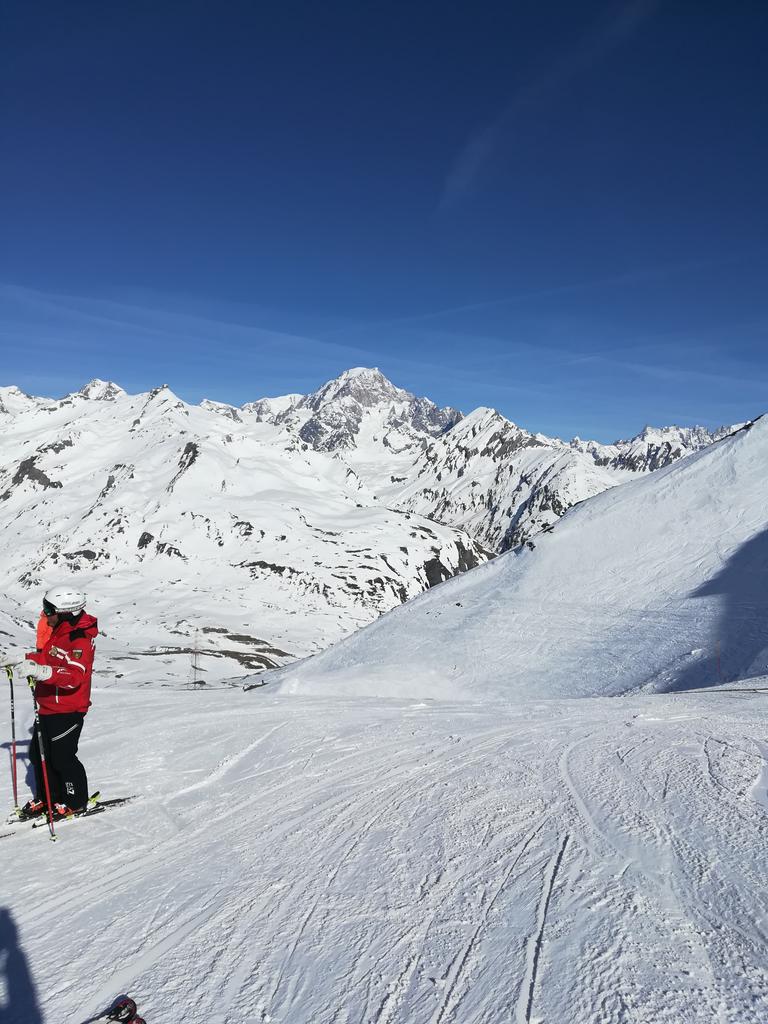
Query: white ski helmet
[63,599]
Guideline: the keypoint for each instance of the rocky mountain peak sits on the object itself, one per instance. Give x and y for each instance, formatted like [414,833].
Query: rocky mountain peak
[339,408]
[367,386]
[482,416]
[101,391]
[692,438]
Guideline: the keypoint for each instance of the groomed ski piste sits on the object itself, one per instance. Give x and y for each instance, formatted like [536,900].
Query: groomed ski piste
[537,793]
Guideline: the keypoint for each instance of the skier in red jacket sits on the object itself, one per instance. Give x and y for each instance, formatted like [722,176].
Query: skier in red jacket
[62,670]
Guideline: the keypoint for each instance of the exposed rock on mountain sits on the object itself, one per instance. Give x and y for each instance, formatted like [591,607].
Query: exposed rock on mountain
[101,391]
[653,447]
[331,418]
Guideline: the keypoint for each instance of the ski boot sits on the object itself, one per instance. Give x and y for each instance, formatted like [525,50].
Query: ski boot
[62,811]
[124,1010]
[31,809]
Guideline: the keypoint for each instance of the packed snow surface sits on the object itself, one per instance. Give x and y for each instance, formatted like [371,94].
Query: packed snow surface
[324,861]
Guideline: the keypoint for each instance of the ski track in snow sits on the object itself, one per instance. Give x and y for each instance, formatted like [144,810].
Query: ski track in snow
[528,988]
[338,861]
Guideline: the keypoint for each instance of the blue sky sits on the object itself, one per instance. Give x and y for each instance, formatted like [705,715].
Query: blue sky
[557,210]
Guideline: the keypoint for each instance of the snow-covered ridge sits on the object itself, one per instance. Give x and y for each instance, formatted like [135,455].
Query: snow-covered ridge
[14,401]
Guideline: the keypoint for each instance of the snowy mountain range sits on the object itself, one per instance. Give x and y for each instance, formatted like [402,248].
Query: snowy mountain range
[260,533]
[197,527]
[481,473]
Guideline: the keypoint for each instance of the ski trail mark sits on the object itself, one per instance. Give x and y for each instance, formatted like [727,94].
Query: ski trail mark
[525,1004]
[384,803]
[384,807]
[581,806]
[227,763]
[395,992]
[716,784]
[459,963]
[126,977]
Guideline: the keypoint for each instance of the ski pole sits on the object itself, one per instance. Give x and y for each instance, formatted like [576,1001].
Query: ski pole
[9,673]
[31,682]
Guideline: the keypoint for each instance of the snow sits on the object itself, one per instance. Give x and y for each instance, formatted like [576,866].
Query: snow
[270,408]
[13,401]
[312,859]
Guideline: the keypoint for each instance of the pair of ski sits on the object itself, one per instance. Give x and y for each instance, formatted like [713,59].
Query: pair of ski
[124,1010]
[95,805]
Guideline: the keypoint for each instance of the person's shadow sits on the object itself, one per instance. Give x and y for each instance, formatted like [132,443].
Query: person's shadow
[19,1005]
[742,632]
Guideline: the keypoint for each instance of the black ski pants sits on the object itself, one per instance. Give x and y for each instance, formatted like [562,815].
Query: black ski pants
[66,775]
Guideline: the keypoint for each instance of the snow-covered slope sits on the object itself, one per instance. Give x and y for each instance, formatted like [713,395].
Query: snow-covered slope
[659,582]
[320,861]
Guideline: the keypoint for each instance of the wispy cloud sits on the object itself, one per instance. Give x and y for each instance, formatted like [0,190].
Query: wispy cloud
[101,322]
[682,375]
[140,345]
[480,149]
[155,321]
[656,273]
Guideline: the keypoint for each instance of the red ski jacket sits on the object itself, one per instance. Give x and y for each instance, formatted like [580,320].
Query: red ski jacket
[69,651]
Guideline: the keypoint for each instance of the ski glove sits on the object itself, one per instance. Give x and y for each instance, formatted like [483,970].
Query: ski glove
[12,658]
[34,671]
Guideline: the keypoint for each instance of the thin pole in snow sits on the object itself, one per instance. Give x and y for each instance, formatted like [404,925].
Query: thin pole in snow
[44,766]
[9,673]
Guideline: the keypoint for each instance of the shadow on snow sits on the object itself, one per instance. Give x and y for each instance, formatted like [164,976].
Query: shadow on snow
[742,631]
[18,996]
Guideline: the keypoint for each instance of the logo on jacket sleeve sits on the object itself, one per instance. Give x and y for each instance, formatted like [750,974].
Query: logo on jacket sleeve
[77,652]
